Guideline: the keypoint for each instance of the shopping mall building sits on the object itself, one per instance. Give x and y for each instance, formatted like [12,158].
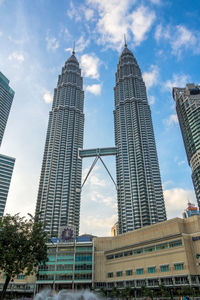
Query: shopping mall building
[166,253]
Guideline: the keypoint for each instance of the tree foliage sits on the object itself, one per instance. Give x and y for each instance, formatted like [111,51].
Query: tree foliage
[22,246]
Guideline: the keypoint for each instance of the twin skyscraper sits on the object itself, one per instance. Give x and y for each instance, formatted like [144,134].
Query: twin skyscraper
[139,188]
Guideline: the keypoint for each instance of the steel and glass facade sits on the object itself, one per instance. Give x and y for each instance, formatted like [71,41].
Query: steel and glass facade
[6,170]
[188,111]
[58,199]
[6,98]
[140,195]
[70,266]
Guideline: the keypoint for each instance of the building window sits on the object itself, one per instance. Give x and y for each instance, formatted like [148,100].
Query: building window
[138,251]
[149,249]
[164,268]
[129,272]
[110,274]
[175,244]
[140,271]
[20,276]
[179,266]
[161,246]
[151,269]
[119,273]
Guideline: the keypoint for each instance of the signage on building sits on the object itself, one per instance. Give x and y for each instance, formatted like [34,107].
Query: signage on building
[195,238]
[66,233]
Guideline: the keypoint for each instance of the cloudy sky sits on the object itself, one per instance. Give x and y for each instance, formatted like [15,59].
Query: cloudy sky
[36,38]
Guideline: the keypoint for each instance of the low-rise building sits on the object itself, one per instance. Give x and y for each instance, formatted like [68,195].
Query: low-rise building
[21,286]
[166,253]
[70,266]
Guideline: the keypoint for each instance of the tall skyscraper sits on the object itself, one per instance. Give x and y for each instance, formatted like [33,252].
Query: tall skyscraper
[6,98]
[6,170]
[58,199]
[140,196]
[188,111]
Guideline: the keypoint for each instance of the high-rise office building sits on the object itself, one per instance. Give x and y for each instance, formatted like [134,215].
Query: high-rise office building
[58,199]
[6,98]
[188,111]
[6,170]
[140,196]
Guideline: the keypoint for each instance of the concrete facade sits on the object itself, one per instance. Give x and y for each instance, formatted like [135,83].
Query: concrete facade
[161,253]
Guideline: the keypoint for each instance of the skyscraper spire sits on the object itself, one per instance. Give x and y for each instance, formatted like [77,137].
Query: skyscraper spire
[73,51]
[125,44]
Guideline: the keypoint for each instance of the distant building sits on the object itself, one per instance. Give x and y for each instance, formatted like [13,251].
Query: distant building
[188,111]
[114,229]
[6,98]
[6,170]
[190,211]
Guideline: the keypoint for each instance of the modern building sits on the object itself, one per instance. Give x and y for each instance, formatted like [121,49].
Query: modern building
[6,170]
[163,254]
[21,286]
[140,195]
[190,211]
[58,199]
[188,111]
[70,266]
[166,253]
[6,98]
[114,229]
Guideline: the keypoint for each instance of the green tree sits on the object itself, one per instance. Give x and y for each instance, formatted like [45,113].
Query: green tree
[22,246]
[126,293]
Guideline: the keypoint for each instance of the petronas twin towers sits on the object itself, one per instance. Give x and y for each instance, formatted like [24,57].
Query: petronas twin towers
[139,189]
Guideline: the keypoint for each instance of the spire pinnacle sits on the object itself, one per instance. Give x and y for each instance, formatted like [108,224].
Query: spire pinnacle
[73,51]
[125,45]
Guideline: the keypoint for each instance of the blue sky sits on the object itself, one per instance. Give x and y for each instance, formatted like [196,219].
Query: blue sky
[36,38]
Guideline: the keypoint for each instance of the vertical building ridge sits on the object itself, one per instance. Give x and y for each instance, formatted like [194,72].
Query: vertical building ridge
[140,195]
[58,201]
[188,111]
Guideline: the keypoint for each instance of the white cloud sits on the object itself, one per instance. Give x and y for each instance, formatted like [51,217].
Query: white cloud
[89,13]
[152,100]
[179,37]
[98,225]
[48,97]
[151,78]
[73,12]
[81,44]
[142,19]
[182,162]
[52,43]
[178,80]
[176,201]
[90,65]
[156,1]
[1,33]
[171,120]
[116,19]
[94,180]
[16,56]
[183,39]
[94,89]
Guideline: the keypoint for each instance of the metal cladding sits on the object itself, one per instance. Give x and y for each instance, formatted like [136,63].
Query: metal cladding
[140,195]
[58,199]
[188,111]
